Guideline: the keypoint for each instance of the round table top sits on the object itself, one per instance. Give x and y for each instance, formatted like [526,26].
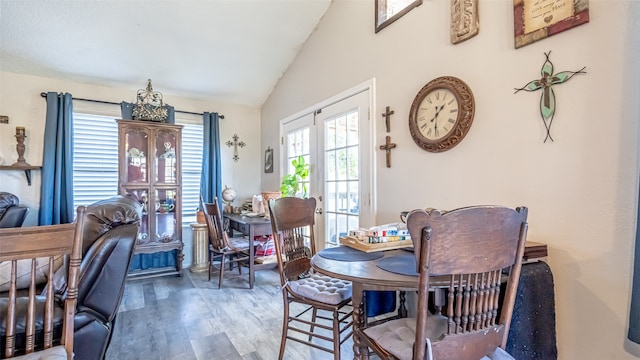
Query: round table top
[367,272]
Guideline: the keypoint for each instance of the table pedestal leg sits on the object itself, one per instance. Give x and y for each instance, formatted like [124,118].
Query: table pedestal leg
[360,352]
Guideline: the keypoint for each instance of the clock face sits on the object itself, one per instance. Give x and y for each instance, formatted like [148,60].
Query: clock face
[441,114]
[437,114]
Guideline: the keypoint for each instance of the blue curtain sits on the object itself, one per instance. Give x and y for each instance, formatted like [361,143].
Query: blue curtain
[56,192]
[634,312]
[159,259]
[126,109]
[211,176]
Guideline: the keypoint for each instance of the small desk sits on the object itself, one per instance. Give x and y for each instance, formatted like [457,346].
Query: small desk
[366,275]
[251,227]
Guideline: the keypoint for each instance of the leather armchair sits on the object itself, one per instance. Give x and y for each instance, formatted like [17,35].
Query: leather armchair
[12,214]
[110,232]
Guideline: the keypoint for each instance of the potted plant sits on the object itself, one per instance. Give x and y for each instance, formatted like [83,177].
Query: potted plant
[293,184]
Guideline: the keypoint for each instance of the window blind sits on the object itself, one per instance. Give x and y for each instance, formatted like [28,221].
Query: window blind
[95,161]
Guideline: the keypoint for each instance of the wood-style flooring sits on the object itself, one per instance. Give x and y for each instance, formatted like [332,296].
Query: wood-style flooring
[180,318]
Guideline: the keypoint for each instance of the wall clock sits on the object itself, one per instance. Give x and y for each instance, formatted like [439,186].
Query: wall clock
[441,114]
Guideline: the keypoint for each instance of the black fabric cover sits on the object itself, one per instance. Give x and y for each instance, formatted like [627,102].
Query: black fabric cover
[533,325]
[345,253]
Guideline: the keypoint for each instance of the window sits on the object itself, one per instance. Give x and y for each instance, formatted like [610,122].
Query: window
[95,160]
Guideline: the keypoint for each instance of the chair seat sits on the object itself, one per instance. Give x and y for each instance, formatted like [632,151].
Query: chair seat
[322,288]
[53,353]
[236,243]
[397,336]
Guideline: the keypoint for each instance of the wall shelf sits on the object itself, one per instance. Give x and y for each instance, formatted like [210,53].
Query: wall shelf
[27,170]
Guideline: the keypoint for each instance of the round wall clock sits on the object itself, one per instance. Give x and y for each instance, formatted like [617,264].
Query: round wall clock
[441,114]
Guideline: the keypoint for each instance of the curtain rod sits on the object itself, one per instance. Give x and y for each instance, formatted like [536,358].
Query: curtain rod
[44,95]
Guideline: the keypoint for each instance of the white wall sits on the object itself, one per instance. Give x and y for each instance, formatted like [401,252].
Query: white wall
[581,190]
[20,99]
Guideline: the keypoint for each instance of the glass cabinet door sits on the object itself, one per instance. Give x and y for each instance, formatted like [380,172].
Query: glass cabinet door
[142,195]
[166,214]
[137,148]
[165,157]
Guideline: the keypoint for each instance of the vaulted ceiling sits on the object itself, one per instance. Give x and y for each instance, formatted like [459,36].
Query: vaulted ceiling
[229,51]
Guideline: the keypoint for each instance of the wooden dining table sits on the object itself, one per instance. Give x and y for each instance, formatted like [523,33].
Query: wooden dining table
[366,275]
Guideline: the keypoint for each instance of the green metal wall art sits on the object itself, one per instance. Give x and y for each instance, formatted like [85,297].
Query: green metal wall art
[548,98]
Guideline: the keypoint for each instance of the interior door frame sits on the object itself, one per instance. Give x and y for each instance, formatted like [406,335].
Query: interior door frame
[367,218]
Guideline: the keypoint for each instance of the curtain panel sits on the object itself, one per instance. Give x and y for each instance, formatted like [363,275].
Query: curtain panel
[56,191]
[634,312]
[211,176]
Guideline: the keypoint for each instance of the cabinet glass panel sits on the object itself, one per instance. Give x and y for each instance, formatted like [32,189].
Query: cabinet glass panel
[165,158]
[142,196]
[137,146]
[166,214]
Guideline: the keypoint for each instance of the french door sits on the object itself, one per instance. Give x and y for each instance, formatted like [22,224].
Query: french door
[336,141]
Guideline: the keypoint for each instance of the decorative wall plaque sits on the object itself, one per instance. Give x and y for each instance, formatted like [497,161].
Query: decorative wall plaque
[538,19]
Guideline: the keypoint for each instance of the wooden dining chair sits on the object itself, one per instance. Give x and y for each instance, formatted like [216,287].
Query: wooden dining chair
[292,221]
[222,249]
[33,321]
[475,249]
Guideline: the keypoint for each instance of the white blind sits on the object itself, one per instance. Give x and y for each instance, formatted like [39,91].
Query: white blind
[95,161]
[191,167]
[95,158]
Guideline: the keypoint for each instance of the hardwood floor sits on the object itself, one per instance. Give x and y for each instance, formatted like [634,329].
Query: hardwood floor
[176,318]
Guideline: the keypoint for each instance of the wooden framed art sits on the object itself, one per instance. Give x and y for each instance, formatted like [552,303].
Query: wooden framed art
[538,19]
[388,11]
[268,160]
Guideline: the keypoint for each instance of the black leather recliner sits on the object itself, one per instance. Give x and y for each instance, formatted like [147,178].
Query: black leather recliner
[110,232]
[12,214]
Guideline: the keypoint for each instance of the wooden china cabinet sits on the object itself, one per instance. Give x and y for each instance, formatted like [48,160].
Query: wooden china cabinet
[149,170]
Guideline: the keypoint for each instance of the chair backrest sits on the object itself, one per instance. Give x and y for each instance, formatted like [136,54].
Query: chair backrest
[12,214]
[471,247]
[35,314]
[218,238]
[292,221]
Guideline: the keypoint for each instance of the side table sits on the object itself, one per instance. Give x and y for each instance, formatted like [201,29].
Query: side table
[200,259]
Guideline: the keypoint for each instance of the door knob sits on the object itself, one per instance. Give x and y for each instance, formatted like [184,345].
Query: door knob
[319,211]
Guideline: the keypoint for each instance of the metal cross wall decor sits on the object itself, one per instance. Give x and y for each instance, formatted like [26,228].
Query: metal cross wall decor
[548,98]
[235,143]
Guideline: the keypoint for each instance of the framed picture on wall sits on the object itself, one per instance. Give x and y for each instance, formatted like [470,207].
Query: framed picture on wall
[388,11]
[268,160]
[538,19]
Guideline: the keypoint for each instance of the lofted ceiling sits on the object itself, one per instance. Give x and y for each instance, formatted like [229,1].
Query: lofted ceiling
[228,51]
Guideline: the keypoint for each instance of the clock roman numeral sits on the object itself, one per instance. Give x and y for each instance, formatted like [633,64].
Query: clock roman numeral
[438,95]
[453,110]
[423,126]
[429,100]
[452,100]
[451,120]
[429,132]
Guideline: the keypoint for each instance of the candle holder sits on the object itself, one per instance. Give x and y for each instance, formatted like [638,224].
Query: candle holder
[20,147]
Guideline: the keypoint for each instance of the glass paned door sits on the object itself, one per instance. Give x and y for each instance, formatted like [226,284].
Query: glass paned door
[335,141]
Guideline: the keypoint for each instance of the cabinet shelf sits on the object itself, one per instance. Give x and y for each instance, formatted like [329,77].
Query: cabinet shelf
[26,168]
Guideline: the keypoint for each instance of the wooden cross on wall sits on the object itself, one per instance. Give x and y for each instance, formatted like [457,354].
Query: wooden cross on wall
[387,115]
[387,147]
